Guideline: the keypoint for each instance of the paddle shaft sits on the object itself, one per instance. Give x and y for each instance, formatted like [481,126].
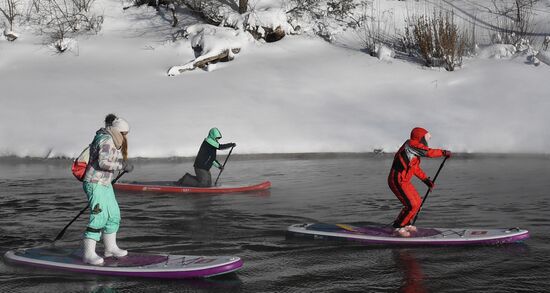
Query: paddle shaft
[429,189]
[83,210]
[223,166]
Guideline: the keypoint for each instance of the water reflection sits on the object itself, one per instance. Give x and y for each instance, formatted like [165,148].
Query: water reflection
[229,282]
[413,277]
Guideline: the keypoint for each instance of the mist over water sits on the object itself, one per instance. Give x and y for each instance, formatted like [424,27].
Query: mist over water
[38,198]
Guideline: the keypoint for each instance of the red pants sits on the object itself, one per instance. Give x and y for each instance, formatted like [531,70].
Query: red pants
[408,196]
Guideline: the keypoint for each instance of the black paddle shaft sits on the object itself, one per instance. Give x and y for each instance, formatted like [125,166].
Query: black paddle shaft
[429,189]
[83,210]
[223,166]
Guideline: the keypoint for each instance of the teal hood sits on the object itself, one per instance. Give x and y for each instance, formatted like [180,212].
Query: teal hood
[213,136]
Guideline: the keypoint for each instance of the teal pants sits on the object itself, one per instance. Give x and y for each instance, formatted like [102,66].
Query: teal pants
[104,210]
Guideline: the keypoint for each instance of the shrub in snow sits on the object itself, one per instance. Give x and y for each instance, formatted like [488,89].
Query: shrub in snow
[325,18]
[514,19]
[212,44]
[438,40]
[373,26]
[496,38]
[63,19]
[63,45]
[522,45]
[169,4]
[268,22]
[546,43]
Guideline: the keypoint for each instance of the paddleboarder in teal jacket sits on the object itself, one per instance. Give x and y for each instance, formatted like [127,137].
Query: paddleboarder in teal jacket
[206,157]
[108,154]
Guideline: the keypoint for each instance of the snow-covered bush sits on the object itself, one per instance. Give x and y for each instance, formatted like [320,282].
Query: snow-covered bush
[61,19]
[546,43]
[268,22]
[62,45]
[212,44]
[373,26]
[325,18]
[515,20]
[10,10]
[497,51]
[438,40]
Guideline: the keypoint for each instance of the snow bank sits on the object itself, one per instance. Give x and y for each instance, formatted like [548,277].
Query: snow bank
[296,95]
[544,57]
[497,51]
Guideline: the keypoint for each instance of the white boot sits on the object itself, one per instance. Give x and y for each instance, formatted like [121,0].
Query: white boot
[89,255]
[111,249]
[402,232]
[411,228]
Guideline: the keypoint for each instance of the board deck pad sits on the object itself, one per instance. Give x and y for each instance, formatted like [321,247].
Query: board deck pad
[134,264]
[172,187]
[424,236]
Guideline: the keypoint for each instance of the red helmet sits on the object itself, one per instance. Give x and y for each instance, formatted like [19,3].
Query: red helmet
[418,134]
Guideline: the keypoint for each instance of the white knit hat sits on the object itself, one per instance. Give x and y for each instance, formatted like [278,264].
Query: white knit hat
[120,125]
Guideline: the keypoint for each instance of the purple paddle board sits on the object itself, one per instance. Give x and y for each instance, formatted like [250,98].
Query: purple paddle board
[424,236]
[134,264]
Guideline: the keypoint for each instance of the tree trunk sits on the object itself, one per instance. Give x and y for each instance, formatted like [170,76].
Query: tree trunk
[518,11]
[243,6]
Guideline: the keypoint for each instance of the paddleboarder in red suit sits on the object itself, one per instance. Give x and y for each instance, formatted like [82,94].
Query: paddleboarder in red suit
[406,164]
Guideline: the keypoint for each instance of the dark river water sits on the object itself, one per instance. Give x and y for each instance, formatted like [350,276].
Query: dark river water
[37,199]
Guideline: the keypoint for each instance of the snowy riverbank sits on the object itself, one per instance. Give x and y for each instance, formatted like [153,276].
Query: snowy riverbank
[300,94]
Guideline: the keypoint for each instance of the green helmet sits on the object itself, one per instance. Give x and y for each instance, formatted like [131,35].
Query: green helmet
[213,135]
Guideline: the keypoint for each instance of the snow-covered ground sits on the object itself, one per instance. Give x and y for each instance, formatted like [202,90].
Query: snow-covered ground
[300,94]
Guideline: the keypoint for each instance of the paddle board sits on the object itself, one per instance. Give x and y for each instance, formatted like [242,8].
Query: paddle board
[424,236]
[171,187]
[133,265]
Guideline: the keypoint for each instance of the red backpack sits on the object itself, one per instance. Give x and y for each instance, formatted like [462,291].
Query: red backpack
[80,164]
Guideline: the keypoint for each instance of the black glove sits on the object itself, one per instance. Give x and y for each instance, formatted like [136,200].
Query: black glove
[447,153]
[232,145]
[429,183]
[127,167]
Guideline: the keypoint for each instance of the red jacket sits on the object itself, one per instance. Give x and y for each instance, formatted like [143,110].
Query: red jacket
[407,159]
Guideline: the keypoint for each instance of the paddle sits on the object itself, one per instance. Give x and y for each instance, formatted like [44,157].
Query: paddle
[223,166]
[83,210]
[429,189]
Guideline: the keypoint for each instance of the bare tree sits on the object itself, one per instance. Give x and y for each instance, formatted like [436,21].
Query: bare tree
[10,11]
[243,6]
[515,19]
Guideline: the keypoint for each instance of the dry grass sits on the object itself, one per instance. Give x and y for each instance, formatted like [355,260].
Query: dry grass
[437,39]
